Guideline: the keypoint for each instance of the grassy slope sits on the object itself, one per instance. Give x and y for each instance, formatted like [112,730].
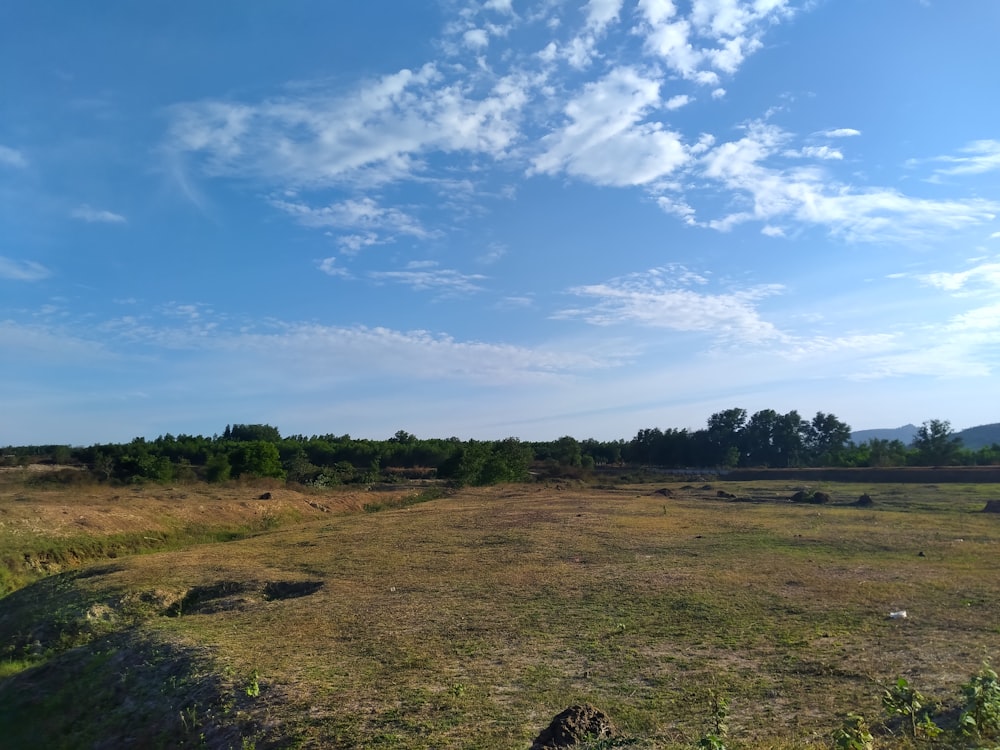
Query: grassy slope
[470,621]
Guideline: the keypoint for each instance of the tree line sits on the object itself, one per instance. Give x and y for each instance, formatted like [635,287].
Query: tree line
[731,438]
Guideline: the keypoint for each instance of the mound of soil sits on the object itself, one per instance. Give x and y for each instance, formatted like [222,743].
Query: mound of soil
[864,501]
[573,726]
[992,506]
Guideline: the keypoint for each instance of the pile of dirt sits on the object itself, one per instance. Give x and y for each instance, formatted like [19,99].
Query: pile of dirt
[573,726]
[992,506]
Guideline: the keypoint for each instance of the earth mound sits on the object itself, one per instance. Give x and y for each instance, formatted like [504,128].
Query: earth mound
[573,726]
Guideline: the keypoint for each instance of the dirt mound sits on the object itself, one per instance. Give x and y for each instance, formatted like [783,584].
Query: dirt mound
[992,506]
[573,726]
[864,501]
[665,491]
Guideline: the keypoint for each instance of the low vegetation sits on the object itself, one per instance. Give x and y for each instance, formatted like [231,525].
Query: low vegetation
[470,617]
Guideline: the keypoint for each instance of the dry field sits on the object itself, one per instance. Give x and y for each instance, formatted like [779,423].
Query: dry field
[470,620]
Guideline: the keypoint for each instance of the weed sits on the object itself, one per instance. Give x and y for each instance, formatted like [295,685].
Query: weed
[853,734]
[252,688]
[981,715]
[715,738]
[189,718]
[900,699]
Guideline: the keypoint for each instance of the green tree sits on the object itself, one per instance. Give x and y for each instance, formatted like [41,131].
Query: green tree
[725,437]
[218,468]
[252,432]
[825,439]
[935,444]
[566,451]
[258,459]
[508,461]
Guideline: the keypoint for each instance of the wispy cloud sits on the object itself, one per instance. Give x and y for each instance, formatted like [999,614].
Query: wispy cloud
[815,152]
[96,216]
[983,277]
[371,135]
[11,157]
[22,270]
[423,276]
[258,357]
[980,319]
[330,268]
[811,196]
[978,157]
[366,222]
[669,298]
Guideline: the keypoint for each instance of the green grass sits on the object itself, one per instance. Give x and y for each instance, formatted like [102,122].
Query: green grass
[471,620]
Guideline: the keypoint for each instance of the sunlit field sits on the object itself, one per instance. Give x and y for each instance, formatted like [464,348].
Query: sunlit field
[469,620]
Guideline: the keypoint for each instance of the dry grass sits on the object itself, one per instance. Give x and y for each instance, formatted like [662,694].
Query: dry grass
[471,620]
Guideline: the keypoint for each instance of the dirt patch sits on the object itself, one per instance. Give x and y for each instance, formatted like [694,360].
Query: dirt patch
[280,590]
[229,596]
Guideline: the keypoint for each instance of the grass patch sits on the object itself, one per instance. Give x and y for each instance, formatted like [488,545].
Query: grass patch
[391,503]
[471,621]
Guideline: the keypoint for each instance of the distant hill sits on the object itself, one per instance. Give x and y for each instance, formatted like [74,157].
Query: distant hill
[973,438]
[982,436]
[905,434]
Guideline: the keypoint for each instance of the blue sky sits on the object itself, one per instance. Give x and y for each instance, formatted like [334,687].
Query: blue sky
[495,217]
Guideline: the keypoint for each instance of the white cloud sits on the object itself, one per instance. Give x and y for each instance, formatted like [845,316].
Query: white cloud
[476,39]
[421,277]
[11,157]
[841,133]
[95,216]
[676,102]
[330,268]
[501,6]
[984,276]
[22,270]
[605,140]
[355,243]
[772,231]
[664,298]
[320,354]
[368,223]
[815,152]
[717,34]
[986,318]
[980,319]
[810,196]
[678,208]
[980,156]
[374,134]
[601,13]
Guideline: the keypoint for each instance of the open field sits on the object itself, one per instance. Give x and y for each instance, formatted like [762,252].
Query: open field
[470,620]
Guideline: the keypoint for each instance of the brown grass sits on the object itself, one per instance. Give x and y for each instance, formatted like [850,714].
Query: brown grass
[471,620]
